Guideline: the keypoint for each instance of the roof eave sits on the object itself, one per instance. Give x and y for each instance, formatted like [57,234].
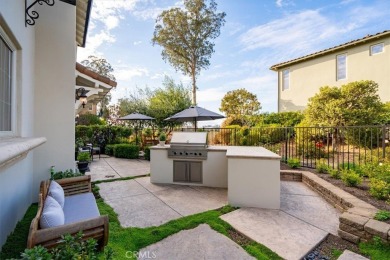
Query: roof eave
[279,66]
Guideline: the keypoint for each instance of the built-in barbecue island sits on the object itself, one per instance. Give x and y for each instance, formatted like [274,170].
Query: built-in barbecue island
[251,174]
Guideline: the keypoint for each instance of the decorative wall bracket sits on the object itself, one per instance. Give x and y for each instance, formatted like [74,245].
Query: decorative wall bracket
[31,15]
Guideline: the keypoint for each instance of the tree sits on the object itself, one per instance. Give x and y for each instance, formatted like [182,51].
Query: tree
[240,105]
[356,103]
[168,100]
[186,36]
[102,67]
[99,65]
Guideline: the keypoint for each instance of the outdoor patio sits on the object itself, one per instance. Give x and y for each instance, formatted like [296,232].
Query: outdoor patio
[303,221]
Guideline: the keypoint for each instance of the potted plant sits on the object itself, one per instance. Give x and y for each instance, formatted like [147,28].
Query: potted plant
[83,161]
[162,139]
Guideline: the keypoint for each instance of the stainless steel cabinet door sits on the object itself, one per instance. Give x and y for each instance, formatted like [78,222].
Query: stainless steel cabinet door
[195,170]
[180,171]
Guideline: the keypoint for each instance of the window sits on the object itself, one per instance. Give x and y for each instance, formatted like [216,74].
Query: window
[285,79]
[376,48]
[341,69]
[90,108]
[6,94]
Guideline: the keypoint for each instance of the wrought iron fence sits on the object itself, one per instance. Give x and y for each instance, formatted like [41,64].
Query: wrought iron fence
[335,146]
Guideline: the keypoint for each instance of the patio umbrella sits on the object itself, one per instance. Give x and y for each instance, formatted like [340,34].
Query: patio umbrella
[136,117]
[194,113]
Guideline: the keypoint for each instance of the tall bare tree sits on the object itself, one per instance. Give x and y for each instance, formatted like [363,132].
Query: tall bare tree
[186,36]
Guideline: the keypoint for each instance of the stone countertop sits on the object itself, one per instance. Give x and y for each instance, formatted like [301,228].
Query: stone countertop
[251,152]
[235,151]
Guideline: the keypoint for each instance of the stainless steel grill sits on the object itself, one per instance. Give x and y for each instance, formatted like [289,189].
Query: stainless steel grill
[188,145]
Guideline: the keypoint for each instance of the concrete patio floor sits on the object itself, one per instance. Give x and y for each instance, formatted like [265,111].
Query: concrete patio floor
[201,242]
[303,220]
[140,203]
[106,167]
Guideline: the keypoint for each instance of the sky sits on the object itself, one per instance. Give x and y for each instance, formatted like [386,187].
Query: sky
[257,34]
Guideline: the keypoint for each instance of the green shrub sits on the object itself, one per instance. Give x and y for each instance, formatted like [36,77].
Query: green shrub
[293,163]
[110,149]
[89,119]
[350,177]
[382,215]
[65,174]
[147,153]
[72,248]
[379,189]
[128,151]
[352,166]
[322,166]
[83,156]
[334,173]
[162,137]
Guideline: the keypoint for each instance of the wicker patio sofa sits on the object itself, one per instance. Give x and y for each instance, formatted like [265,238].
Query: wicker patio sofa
[80,214]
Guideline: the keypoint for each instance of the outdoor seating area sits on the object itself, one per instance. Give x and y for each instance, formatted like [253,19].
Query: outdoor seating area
[67,206]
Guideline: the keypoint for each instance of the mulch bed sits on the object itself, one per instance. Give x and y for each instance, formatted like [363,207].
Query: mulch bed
[326,249]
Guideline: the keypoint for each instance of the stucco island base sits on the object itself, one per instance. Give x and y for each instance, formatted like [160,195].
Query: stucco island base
[251,174]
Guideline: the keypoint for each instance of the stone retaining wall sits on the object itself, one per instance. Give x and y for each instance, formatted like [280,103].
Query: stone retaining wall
[357,222]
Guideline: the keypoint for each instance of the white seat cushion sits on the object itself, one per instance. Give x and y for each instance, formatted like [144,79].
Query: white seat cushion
[52,214]
[57,192]
[80,207]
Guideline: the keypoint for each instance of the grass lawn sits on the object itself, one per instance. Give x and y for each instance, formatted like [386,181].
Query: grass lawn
[132,239]
[123,240]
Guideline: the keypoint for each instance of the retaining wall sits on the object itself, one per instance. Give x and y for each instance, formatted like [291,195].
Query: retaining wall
[357,223]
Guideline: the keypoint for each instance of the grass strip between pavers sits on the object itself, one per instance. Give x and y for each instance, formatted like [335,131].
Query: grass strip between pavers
[125,240]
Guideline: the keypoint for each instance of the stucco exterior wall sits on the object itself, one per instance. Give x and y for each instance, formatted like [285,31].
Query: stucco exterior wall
[16,180]
[307,77]
[55,57]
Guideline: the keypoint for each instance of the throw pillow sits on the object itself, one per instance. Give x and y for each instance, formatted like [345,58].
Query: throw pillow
[52,214]
[57,192]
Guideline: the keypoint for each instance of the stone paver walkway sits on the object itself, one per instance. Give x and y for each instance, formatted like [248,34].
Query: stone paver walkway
[140,203]
[302,222]
[201,242]
[114,168]
[348,255]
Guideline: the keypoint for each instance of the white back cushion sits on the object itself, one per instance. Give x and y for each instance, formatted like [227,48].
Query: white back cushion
[52,214]
[57,192]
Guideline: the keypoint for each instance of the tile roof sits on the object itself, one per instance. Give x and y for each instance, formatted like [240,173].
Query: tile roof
[329,50]
[94,75]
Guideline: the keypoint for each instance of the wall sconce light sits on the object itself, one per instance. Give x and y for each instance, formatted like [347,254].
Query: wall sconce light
[81,94]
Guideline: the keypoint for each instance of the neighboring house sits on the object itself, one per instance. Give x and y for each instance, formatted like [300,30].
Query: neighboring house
[97,86]
[367,58]
[37,70]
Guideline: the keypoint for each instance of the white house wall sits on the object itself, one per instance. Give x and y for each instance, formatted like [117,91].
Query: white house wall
[16,180]
[55,57]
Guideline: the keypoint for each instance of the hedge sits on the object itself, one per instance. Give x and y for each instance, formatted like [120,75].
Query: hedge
[110,149]
[128,151]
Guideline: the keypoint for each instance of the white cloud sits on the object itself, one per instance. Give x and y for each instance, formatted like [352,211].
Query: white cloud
[210,94]
[127,74]
[137,43]
[111,22]
[93,42]
[282,3]
[296,31]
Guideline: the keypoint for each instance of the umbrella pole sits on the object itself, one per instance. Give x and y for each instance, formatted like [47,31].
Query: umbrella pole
[195,123]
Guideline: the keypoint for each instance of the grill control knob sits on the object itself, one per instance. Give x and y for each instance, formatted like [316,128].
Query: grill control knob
[195,154]
[174,153]
[181,153]
[186,153]
[200,154]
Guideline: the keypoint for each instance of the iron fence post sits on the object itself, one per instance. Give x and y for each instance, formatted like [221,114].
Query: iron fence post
[383,141]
